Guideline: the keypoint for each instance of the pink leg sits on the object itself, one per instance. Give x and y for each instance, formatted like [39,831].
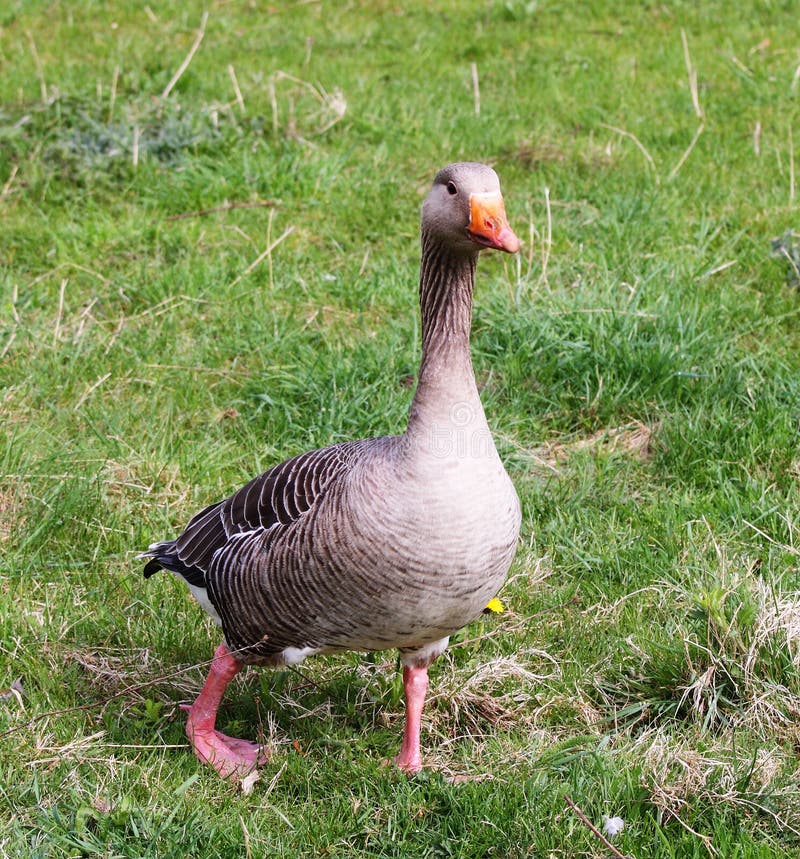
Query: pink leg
[415,682]
[228,756]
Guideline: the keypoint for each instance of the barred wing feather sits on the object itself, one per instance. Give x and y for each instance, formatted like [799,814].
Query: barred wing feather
[273,500]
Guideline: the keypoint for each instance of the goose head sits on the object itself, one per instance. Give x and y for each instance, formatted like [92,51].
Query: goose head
[465,211]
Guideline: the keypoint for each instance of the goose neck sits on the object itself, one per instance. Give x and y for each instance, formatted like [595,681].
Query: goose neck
[446,377]
[445,296]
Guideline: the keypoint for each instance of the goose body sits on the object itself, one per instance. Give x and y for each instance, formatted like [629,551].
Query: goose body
[390,542]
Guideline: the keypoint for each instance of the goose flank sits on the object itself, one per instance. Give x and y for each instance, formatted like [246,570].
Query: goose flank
[391,542]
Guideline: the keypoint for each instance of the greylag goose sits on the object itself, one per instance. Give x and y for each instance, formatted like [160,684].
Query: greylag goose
[391,542]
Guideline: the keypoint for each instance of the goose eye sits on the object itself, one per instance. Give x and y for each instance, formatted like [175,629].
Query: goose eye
[451,189]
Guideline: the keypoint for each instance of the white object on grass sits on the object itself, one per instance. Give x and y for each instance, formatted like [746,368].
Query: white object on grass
[612,825]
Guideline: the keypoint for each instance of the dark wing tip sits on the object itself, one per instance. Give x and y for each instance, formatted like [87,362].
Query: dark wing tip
[151,568]
[164,556]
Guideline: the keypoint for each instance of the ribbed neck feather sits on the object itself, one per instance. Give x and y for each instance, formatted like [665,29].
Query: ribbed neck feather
[445,295]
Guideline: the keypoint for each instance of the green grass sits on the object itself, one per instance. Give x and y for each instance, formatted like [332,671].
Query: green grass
[640,363]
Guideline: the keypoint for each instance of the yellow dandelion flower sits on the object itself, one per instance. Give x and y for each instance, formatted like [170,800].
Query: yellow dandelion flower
[494,606]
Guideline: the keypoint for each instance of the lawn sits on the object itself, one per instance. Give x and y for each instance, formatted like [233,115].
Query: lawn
[208,260]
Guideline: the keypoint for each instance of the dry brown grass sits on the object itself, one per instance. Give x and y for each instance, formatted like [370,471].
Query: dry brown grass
[677,771]
[135,482]
[135,672]
[632,440]
[10,516]
[500,693]
[734,657]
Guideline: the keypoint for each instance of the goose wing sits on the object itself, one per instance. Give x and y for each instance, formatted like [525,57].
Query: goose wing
[271,501]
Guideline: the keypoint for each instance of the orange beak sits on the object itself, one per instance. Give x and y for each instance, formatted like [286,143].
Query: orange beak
[488,225]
